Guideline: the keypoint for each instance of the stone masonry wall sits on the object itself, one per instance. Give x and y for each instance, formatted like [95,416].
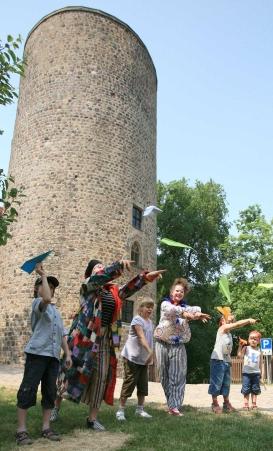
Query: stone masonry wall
[84,147]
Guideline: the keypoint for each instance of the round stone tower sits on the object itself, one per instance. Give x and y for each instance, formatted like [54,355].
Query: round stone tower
[84,148]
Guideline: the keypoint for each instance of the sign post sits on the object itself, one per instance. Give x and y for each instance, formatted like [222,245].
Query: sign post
[266,348]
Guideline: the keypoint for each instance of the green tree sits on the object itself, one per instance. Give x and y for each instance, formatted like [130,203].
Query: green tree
[10,64]
[250,257]
[250,253]
[9,200]
[195,216]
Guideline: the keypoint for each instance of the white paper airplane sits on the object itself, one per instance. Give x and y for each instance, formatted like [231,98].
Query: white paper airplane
[151,209]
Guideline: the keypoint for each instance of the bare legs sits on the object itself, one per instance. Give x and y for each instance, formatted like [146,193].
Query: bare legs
[22,418]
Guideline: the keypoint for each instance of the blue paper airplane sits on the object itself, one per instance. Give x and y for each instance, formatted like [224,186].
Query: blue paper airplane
[29,265]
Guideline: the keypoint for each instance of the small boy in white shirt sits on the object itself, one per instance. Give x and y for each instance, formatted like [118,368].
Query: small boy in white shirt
[251,372]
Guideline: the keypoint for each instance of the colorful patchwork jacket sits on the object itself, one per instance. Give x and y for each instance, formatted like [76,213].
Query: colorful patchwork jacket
[86,329]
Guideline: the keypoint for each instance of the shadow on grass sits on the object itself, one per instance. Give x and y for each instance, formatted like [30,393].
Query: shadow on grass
[196,430]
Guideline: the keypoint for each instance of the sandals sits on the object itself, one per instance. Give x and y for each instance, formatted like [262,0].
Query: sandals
[22,438]
[228,408]
[51,435]
[216,409]
[253,407]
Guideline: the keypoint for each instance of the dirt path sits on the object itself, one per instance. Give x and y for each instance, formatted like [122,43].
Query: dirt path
[196,396]
[81,440]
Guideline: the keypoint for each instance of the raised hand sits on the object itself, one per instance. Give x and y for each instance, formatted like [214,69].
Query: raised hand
[39,269]
[204,317]
[127,264]
[153,275]
[242,342]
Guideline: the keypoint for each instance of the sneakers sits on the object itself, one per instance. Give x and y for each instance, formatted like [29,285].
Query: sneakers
[54,414]
[175,412]
[22,438]
[120,415]
[95,425]
[141,413]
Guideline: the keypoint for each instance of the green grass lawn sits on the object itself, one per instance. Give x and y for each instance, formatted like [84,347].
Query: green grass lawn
[195,431]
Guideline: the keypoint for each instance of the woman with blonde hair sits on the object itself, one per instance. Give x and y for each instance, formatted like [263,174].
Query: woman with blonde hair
[171,334]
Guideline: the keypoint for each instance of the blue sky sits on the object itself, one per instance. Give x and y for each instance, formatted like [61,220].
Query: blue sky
[214,63]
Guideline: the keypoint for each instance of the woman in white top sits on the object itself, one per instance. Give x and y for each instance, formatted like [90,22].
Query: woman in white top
[171,333]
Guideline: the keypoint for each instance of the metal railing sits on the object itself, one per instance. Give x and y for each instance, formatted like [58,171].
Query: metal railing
[237,365]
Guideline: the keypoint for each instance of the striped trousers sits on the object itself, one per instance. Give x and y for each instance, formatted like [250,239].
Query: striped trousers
[172,366]
[95,389]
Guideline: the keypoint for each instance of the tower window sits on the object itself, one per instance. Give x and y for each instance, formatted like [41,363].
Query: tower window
[136,254]
[127,311]
[137,217]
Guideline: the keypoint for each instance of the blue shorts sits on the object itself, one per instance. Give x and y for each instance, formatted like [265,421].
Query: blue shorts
[251,383]
[219,378]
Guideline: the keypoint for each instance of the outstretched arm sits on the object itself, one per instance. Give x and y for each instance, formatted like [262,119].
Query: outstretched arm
[204,317]
[109,273]
[241,323]
[138,282]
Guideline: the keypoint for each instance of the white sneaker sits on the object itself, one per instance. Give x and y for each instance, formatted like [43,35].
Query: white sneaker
[95,425]
[141,413]
[120,415]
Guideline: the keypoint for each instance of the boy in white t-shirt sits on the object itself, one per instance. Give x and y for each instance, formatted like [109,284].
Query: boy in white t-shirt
[251,368]
[137,355]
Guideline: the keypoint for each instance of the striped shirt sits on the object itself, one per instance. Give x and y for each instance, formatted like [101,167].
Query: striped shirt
[108,308]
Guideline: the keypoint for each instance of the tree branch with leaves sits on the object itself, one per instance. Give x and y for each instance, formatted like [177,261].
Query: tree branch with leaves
[10,63]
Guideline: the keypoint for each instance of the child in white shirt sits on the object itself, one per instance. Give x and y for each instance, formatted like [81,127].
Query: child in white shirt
[137,355]
[251,372]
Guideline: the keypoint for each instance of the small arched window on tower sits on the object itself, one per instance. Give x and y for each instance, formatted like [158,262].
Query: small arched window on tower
[136,254]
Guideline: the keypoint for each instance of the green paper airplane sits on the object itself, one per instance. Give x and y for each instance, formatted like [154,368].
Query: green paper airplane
[174,243]
[224,287]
